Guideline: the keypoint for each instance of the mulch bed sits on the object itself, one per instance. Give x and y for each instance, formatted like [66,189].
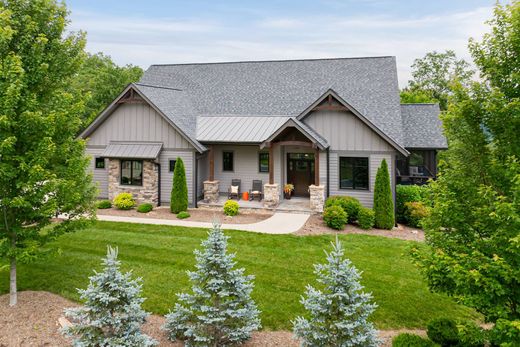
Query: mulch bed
[316,226]
[206,214]
[34,322]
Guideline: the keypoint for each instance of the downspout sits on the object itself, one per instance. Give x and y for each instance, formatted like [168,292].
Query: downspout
[328,173]
[158,165]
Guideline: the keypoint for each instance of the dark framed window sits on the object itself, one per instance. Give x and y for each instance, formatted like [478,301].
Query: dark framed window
[172,165]
[132,172]
[353,173]
[227,161]
[100,163]
[263,162]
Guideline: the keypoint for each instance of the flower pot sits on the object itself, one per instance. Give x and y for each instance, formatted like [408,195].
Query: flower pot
[287,196]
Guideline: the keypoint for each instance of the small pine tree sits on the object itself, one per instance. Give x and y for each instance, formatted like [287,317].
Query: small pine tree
[220,312]
[112,315]
[383,201]
[179,196]
[338,313]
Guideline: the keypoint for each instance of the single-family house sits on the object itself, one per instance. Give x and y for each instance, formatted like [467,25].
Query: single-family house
[323,125]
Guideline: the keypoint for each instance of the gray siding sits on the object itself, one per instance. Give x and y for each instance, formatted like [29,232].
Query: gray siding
[345,131]
[167,176]
[99,176]
[138,122]
[364,196]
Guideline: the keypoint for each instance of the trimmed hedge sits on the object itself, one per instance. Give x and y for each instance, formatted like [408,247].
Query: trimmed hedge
[179,195]
[103,204]
[231,208]
[144,208]
[443,331]
[335,217]
[366,218]
[383,200]
[411,340]
[124,201]
[349,204]
[183,215]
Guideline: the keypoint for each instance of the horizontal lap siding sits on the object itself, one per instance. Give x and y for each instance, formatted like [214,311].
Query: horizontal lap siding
[99,176]
[167,176]
[365,197]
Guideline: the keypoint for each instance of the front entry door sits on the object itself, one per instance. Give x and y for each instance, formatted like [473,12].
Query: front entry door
[300,172]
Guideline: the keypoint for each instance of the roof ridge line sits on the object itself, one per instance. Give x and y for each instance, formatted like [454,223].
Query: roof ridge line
[418,103]
[156,86]
[275,60]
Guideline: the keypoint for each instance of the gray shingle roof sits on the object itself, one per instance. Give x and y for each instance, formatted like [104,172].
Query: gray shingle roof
[278,88]
[422,126]
[139,150]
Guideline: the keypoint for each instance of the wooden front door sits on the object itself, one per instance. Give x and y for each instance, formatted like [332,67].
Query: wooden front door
[300,172]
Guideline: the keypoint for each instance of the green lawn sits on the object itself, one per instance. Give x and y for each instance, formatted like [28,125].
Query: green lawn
[282,265]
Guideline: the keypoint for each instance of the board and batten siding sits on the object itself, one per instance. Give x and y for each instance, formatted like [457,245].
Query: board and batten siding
[138,122]
[188,158]
[203,174]
[345,131]
[99,176]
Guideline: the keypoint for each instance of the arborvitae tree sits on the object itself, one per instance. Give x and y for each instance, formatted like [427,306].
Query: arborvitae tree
[220,311]
[179,196]
[112,315]
[339,311]
[383,200]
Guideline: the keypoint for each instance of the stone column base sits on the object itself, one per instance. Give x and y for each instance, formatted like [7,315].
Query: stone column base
[317,198]
[271,195]
[211,191]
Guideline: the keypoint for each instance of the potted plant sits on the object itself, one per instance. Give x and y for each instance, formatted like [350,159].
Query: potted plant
[287,190]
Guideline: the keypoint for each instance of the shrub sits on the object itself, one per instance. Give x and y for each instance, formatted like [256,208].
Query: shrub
[183,215]
[219,310]
[179,195]
[383,201]
[470,334]
[416,211]
[124,201]
[103,204]
[335,217]
[411,340]
[231,208]
[112,315]
[366,218]
[349,204]
[410,193]
[505,333]
[145,208]
[443,331]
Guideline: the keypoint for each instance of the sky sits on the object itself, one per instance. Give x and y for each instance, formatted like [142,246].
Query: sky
[149,32]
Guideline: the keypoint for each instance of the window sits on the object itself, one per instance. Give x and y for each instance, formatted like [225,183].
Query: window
[263,162]
[353,173]
[100,163]
[227,161]
[172,165]
[132,172]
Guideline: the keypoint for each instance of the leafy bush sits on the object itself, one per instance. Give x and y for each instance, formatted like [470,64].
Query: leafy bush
[179,195]
[103,204]
[383,200]
[443,331]
[231,208]
[366,218]
[505,333]
[416,211]
[471,335]
[124,201]
[335,217]
[145,208]
[411,193]
[183,215]
[349,204]
[411,340]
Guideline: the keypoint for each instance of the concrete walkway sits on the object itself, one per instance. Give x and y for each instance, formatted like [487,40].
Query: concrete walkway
[278,223]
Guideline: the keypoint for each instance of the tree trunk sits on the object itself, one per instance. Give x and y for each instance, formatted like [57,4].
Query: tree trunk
[13,297]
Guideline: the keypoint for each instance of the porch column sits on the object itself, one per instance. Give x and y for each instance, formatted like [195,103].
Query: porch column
[211,156]
[271,164]
[211,191]
[317,167]
[271,190]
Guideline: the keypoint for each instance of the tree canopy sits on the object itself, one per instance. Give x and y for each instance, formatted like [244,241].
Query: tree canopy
[42,164]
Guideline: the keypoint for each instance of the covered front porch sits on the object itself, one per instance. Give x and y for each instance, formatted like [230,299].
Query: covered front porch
[295,204]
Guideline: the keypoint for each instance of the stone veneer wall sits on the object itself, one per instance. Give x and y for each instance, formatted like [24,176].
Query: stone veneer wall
[271,195]
[148,192]
[317,198]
